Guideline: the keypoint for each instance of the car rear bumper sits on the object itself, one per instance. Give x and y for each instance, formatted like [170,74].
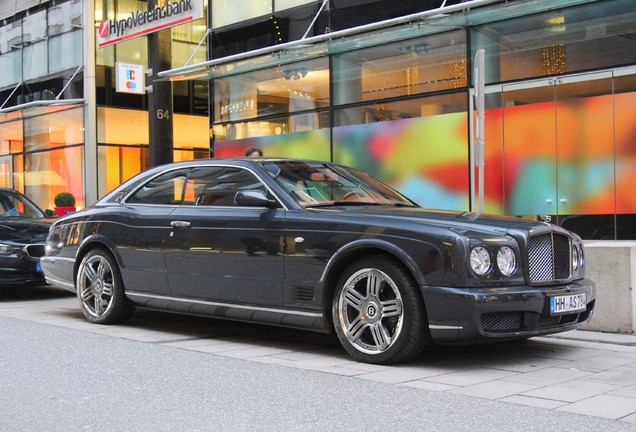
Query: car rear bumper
[468,315]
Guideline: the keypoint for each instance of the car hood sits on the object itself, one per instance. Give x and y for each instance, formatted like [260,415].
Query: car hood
[26,231]
[443,218]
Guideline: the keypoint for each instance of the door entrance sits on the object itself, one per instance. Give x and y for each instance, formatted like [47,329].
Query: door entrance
[558,141]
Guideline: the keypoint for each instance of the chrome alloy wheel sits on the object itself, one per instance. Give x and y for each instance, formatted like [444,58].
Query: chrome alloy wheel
[370,311]
[95,285]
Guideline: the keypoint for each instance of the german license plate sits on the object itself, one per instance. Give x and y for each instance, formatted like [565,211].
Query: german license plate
[568,303]
[38,267]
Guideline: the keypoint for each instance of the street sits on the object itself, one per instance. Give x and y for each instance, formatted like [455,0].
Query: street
[163,372]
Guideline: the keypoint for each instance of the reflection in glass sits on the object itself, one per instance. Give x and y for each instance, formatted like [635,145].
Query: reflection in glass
[48,173]
[415,66]
[284,89]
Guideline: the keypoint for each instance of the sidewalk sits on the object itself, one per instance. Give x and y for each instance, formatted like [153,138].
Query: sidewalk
[584,372]
[598,337]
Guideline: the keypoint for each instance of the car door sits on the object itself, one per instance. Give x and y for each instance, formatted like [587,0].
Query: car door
[221,252]
[140,227]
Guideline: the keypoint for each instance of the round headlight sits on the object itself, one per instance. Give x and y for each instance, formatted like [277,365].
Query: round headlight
[506,261]
[480,260]
[575,257]
[581,256]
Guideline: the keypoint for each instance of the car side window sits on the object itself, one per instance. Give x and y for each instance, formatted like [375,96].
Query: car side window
[165,189]
[217,186]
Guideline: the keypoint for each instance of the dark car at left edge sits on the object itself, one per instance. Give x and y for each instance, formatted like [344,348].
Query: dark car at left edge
[23,230]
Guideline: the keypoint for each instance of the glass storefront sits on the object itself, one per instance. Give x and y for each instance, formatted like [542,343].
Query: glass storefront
[394,101]
[43,146]
[559,121]
[123,141]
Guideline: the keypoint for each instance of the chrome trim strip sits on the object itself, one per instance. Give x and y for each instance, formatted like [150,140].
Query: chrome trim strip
[444,327]
[229,305]
[66,285]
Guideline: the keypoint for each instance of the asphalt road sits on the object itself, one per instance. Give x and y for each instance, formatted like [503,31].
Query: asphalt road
[59,379]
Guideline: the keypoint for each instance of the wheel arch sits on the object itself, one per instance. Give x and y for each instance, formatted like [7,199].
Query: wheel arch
[92,242]
[352,252]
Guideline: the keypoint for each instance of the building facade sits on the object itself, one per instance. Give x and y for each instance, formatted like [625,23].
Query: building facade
[387,87]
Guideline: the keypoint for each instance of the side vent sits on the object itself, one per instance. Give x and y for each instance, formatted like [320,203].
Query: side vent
[304,294]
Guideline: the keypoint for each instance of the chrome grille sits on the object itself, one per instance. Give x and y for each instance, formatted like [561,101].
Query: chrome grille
[35,250]
[549,257]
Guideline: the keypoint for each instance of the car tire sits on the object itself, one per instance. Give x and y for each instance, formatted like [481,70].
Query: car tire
[378,313]
[100,289]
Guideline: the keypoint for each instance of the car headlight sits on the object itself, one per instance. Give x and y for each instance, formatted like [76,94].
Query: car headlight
[506,261]
[575,257]
[480,260]
[6,249]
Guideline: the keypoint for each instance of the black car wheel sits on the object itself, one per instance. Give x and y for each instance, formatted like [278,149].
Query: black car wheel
[378,313]
[100,289]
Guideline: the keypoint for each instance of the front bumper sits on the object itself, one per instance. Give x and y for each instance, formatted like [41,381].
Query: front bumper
[20,271]
[469,315]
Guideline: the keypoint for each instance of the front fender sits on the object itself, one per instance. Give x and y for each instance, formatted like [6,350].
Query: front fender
[374,244]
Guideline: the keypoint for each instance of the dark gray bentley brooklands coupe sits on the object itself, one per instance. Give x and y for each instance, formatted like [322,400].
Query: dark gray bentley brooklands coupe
[317,246]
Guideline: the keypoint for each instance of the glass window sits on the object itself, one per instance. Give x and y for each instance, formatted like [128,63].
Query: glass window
[272,126]
[11,37]
[34,27]
[117,164]
[17,206]
[406,68]
[317,184]
[35,60]
[287,4]
[165,189]
[419,147]
[48,173]
[280,90]
[625,133]
[593,36]
[64,17]
[190,132]
[226,12]
[10,132]
[185,40]
[65,51]
[404,109]
[217,186]
[53,129]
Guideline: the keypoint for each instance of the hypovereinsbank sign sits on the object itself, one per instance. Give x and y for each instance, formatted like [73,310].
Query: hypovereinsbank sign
[139,23]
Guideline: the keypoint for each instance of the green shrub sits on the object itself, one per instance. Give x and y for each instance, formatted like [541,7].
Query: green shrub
[64,199]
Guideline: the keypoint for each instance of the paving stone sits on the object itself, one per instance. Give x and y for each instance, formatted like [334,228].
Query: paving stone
[606,406]
[571,391]
[471,376]
[533,402]
[493,389]
[548,376]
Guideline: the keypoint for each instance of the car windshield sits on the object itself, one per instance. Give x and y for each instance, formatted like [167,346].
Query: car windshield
[319,184]
[17,206]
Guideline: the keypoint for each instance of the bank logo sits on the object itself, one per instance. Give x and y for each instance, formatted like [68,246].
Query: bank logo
[104,29]
[139,23]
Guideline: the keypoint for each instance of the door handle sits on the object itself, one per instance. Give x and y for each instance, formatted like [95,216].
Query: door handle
[179,224]
[563,201]
[549,201]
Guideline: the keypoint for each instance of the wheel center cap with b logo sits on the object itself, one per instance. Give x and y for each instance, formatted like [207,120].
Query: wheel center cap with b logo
[372,311]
